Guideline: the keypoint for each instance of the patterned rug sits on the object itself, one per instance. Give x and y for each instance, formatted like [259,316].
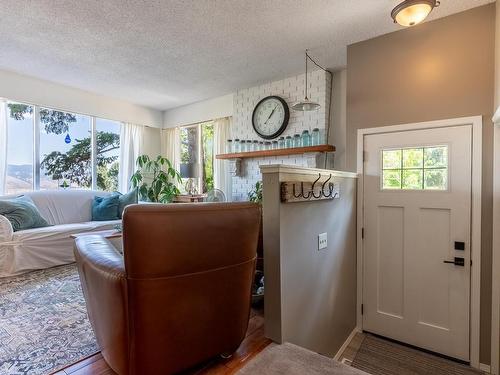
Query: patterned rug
[43,322]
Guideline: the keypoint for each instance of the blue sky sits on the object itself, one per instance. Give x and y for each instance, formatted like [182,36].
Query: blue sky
[20,137]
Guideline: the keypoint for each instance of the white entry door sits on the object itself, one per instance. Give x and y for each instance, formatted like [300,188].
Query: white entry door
[416,247]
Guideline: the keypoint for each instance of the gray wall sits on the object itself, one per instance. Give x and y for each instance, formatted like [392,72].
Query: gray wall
[310,295]
[438,70]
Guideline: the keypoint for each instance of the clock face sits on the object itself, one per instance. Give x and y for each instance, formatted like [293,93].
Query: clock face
[270,117]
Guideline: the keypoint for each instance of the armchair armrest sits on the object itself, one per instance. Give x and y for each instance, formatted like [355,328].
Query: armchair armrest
[6,230]
[104,285]
[99,254]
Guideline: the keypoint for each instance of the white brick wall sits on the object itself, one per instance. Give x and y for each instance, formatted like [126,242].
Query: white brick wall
[291,90]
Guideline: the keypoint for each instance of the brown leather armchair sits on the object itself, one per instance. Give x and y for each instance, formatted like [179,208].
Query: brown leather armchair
[181,292]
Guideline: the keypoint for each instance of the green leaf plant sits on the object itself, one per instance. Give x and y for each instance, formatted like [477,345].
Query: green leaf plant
[155,179]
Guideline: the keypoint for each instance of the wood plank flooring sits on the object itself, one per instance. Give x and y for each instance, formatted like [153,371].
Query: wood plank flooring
[253,344]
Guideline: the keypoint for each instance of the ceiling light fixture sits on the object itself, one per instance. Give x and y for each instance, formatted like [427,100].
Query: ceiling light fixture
[412,12]
[306,104]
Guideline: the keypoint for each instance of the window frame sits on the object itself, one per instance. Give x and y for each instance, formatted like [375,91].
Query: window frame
[36,142]
[423,168]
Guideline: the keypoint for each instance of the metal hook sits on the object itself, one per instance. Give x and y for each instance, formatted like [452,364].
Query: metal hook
[329,186]
[309,193]
[312,188]
[299,195]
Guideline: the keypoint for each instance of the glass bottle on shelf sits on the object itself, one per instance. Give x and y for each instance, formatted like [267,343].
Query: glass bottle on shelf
[255,146]
[288,142]
[249,145]
[275,145]
[229,146]
[306,138]
[261,146]
[315,138]
[267,145]
[296,141]
[281,142]
[243,146]
[236,145]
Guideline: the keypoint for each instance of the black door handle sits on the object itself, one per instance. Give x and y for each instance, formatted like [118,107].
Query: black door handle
[457,262]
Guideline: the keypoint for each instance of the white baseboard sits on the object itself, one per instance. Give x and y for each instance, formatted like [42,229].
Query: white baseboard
[485,368]
[346,343]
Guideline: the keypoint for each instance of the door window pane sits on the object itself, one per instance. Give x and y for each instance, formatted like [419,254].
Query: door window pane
[436,179]
[392,179]
[412,179]
[108,153]
[19,148]
[65,149]
[413,157]
[416,168]
[436,157]
[391,159]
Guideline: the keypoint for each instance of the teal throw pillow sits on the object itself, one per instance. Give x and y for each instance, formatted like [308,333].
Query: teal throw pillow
[22,213]
[132,197]
[105,208]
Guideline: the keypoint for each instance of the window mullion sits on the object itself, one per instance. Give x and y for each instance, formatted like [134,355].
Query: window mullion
[200,161]
[36,148]
[93,153]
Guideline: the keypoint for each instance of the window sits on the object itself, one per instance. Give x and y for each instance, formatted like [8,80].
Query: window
[108,152]
[421,168]
[65,150]
[51,149]
[19,149]
[196,145]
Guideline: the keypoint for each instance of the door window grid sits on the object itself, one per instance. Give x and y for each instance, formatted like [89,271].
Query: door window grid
[416,168]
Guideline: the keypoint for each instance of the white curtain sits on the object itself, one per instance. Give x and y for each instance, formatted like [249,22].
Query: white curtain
[131,146]
[171,146]
[222,180]
[3,145]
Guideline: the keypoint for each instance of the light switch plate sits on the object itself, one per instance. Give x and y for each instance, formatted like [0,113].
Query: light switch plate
[322,241]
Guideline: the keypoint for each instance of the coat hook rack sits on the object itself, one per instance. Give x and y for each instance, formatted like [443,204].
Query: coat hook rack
[305,191]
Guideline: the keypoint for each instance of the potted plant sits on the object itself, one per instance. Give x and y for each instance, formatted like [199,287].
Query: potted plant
[155,179]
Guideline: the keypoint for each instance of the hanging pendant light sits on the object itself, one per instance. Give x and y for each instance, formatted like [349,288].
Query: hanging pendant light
[412,12]
[306,104]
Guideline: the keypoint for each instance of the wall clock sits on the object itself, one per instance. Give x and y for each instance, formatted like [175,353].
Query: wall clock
[270,117]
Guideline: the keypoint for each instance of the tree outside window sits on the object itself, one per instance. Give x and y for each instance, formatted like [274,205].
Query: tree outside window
[65,148]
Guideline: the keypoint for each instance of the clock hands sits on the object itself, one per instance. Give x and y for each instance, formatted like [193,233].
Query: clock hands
[272,112]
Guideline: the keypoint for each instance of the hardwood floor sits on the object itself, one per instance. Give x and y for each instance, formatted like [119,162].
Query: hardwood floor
[253,344]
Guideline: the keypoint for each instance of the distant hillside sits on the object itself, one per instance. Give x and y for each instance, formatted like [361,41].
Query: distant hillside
[23,172]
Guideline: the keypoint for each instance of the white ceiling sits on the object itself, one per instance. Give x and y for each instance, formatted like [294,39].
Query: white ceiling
[167,53]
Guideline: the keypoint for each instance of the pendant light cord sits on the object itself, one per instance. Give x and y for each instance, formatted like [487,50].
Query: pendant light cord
[331,95]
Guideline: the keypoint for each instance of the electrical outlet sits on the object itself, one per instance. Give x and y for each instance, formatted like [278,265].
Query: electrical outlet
[322,241]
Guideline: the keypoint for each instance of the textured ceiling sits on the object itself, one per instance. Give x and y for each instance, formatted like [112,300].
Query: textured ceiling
[166,53]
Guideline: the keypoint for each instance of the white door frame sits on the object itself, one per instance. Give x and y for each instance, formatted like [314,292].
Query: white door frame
[495,298]
[475,297]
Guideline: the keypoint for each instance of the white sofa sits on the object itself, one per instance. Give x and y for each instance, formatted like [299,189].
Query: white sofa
[68,211]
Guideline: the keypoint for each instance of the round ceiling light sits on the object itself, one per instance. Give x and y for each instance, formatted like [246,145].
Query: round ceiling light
[412,12]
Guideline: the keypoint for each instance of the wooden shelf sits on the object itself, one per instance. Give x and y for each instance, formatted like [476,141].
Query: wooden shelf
[278,152]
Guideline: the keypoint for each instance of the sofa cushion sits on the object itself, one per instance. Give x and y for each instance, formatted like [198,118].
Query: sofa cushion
[22,213]
[105,208]
[50,235]
[65,206]
[132,197]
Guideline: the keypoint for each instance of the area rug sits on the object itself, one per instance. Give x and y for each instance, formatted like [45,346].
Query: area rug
[43,322]
[383,357]
[288,359]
